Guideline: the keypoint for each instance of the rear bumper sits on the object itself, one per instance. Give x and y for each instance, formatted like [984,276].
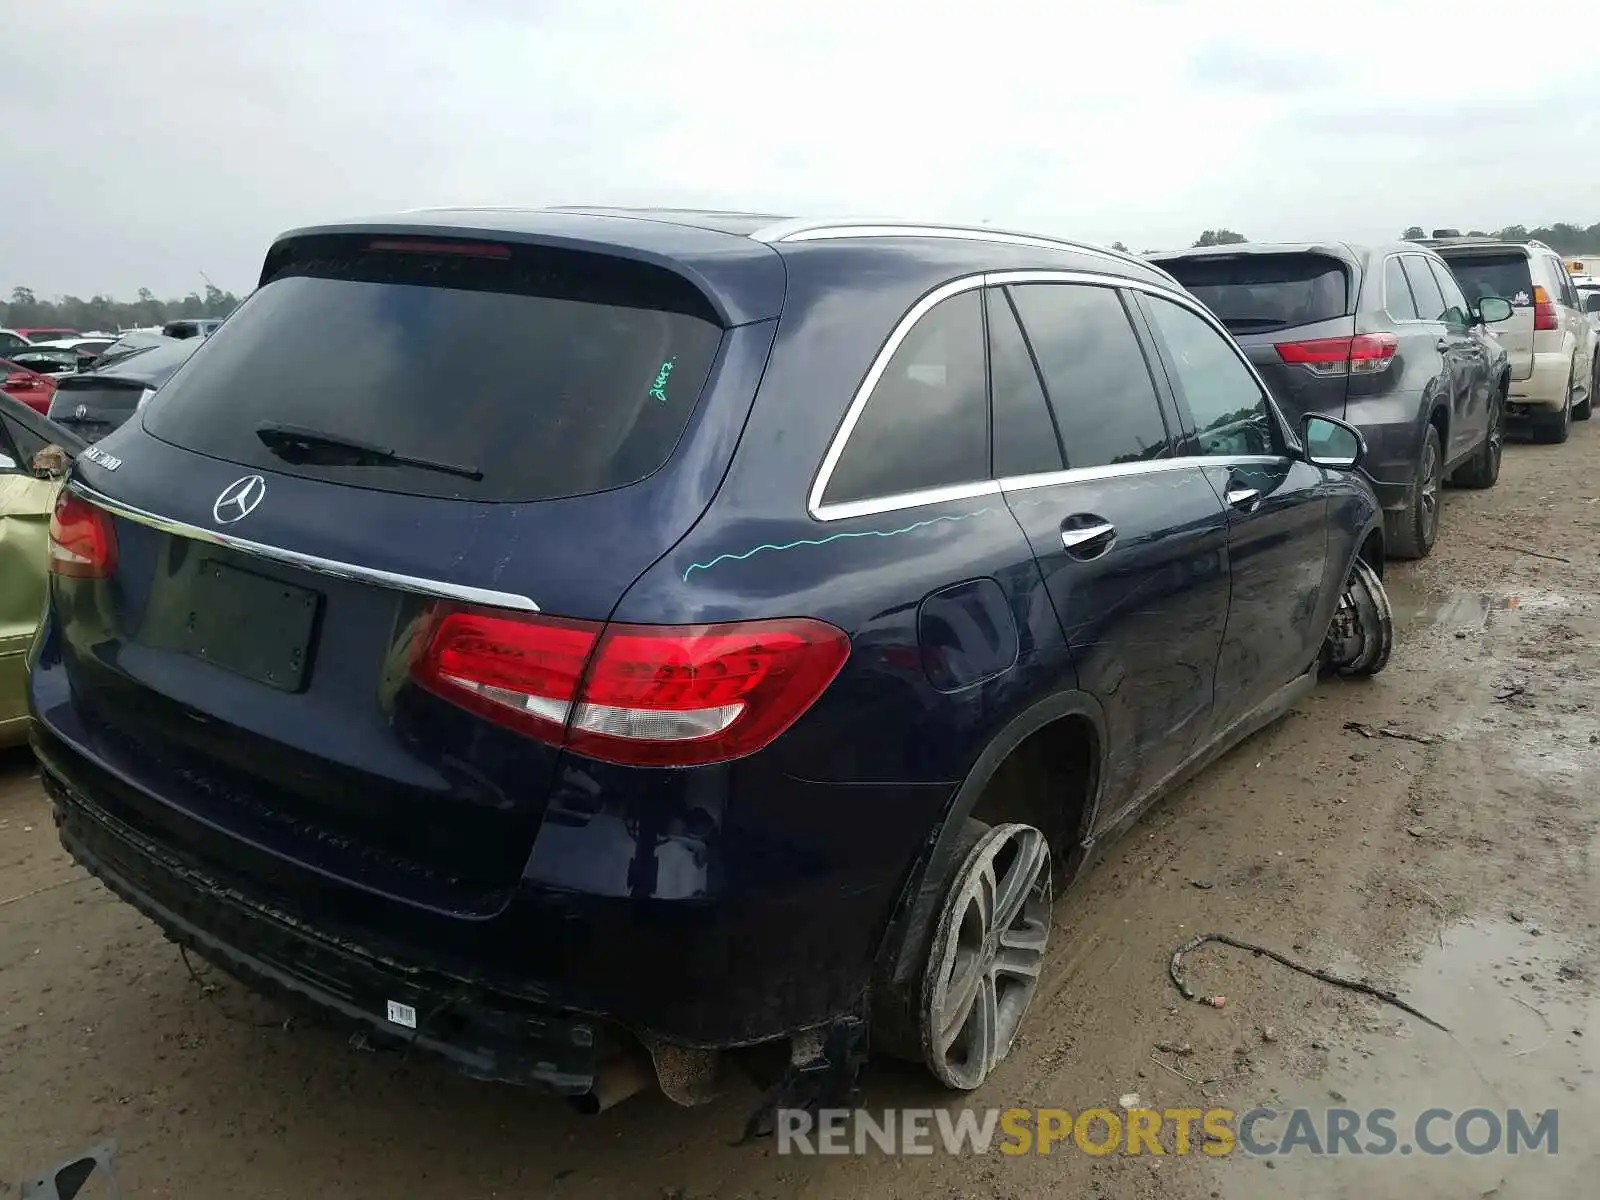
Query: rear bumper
[604,932]
[484,1035]
[1545,389]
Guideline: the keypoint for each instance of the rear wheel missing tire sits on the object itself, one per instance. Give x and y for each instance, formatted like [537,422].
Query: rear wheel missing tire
[985,954]
[1362,634]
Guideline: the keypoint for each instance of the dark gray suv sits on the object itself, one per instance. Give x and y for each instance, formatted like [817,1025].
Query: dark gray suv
[1382,337]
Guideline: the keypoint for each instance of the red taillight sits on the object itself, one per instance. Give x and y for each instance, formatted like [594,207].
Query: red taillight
[648,695]
[417,246]
[83,543]
[1544,310]
[1364,354]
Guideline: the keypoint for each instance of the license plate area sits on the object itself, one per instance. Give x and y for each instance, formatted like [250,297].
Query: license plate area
[251,625]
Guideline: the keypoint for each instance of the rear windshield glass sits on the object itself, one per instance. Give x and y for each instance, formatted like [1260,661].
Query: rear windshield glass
[537,375]
[1257,293]
[1503,275]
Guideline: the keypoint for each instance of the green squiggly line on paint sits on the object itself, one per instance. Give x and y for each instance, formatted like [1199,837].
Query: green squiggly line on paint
[862,533]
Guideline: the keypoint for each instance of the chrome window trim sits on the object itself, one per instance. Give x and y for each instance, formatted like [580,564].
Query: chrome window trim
[1421,320]
[1418,320]
[1154,466]
[436,588]
[880,364]
[964,491]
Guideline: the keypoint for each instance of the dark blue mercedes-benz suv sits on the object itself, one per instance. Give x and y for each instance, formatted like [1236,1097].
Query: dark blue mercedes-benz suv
[567,639]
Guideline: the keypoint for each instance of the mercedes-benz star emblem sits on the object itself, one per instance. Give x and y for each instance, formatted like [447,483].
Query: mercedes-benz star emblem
[239,499]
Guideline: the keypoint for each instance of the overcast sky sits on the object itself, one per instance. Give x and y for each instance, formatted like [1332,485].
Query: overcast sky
[147,142]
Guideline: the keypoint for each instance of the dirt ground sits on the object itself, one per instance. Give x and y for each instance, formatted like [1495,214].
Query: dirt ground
[1460,868]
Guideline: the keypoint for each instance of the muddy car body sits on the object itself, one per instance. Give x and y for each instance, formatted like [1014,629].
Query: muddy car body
[675,690]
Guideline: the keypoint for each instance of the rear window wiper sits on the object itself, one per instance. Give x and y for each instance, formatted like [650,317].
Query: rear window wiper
[295,444]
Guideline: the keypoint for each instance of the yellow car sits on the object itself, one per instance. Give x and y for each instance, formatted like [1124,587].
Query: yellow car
[34,455]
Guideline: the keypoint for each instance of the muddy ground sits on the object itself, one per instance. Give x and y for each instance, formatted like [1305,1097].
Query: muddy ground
[1460,867]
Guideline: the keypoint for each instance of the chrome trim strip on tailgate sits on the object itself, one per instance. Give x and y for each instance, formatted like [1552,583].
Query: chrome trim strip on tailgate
[438,588]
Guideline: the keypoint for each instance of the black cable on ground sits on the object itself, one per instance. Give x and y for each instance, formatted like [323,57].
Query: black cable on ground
[1175,969]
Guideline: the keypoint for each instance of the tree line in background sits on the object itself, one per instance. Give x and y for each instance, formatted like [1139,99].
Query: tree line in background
[25,310]
[1561,237]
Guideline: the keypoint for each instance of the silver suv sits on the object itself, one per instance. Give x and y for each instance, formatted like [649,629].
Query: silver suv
[1549,340]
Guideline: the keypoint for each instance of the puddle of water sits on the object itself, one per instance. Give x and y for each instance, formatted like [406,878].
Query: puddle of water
[1416,609]
[1485,985]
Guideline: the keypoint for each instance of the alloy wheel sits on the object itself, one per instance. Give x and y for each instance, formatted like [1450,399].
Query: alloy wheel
[986,954]
[1428,498]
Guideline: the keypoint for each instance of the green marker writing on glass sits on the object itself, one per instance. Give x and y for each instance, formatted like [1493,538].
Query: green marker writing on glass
[659,390]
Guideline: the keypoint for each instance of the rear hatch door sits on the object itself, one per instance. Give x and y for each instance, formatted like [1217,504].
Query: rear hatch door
[1498,271]
[377,432]
[1270,298]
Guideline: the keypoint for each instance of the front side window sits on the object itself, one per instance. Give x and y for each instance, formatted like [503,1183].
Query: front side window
[926,423]
[1455,304]
[1095,374]
[1228,406]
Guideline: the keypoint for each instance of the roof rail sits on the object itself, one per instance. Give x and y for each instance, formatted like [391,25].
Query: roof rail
[809,230]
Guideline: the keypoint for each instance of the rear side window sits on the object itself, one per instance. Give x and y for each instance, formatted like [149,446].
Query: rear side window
[1397,299]
[533,375]
[926,423]
[1430,300]
[1258,293]
[1504,275]
[1095,374]
[1025,440]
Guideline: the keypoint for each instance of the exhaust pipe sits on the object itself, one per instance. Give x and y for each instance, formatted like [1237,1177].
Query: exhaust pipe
[614,1081]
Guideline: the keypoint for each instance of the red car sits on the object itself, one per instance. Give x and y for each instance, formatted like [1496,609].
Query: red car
[47,335]
[33,389]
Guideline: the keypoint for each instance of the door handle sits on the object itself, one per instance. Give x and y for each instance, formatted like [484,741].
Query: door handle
[1088,541]
[1243,497]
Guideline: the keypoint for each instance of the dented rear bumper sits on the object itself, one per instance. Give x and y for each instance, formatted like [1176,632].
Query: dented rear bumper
[482,1033]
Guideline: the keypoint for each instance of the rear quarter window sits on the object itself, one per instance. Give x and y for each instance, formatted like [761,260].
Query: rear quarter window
[1504,275]
[1258,293]
[542,373]
[925,424]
